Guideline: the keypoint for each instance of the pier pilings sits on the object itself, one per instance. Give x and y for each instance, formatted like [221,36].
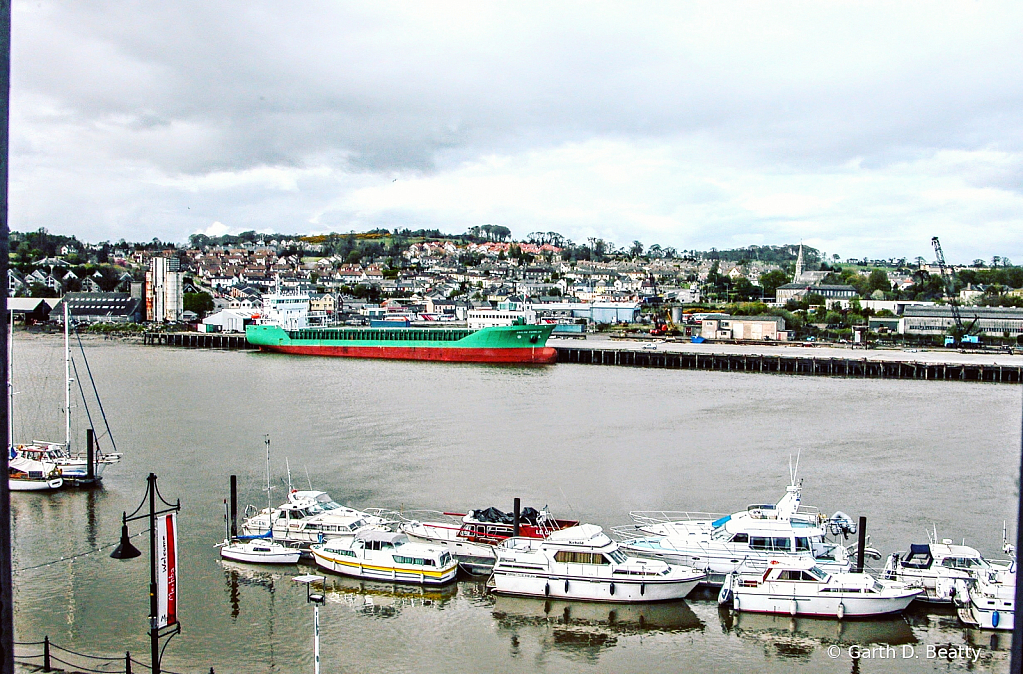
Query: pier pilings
[196,340]
[803,365]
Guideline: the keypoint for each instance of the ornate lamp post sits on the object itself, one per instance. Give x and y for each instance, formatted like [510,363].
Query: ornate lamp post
[163,585]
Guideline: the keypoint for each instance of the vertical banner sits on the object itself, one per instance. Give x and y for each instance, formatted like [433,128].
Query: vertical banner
[166,570]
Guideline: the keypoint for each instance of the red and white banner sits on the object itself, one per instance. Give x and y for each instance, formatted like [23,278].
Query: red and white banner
[166,570]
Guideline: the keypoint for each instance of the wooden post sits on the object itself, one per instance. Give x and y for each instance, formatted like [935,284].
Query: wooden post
[90,454]
[234,506]
[515,517]
[860,549]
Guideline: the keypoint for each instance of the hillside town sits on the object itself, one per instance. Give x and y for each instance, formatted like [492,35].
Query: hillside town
[769,293]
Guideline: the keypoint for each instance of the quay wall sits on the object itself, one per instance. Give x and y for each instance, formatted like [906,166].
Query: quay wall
[861,368]
[774,364]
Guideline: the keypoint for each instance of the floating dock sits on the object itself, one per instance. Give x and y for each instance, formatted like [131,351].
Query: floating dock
[861,368]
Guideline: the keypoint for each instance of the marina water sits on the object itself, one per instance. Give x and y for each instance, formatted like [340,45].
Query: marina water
[591,442]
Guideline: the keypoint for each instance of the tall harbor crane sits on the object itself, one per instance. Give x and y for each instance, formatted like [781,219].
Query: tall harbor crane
[960,333]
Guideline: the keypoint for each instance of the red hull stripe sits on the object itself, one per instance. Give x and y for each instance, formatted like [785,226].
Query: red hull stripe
[536,356]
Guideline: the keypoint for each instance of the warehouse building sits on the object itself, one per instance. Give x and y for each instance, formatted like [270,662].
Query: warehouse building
[937,320]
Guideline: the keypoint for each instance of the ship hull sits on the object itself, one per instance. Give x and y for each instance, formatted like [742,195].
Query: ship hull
[535,356]
[519,344]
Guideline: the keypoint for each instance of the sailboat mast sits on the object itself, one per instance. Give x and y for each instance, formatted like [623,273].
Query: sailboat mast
[269,500]
[67,379]
[10,386]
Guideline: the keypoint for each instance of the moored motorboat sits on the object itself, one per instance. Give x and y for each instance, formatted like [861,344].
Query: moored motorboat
[990,603]
[471,537]
[796,586]
[259,552]
[386,555]
[583,563]
[742,541]
[944,570]
[29,472]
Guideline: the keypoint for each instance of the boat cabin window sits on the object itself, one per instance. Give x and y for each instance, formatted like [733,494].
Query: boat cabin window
[379,545]
[412,561]
[818,573]
[797,575]
[740,538]
[571,557]
[617,556]
[802,543]
[777,544]
[445,558]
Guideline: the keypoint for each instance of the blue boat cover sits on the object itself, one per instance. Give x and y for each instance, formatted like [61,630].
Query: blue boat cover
[718,523]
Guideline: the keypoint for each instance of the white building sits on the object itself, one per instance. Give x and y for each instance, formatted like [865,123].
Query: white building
[489,318]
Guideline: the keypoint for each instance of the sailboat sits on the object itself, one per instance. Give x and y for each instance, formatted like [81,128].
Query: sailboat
[29,470]
[259,549]
[73,468]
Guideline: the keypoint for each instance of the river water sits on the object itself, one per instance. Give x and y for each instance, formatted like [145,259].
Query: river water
[591,442]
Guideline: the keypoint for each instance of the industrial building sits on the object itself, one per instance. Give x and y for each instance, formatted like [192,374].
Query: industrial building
[165,299]
[937,320]
[767,328]
[100,308]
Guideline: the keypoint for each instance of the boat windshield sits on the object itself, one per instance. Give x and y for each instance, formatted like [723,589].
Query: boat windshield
[617,556]
[819,573]
[965,563]
[325,502]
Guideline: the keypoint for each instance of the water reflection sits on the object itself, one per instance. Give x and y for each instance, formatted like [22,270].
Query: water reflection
[798,638]
[376,599]
[586,628]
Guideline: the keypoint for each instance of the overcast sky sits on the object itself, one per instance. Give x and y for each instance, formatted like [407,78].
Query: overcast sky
[861,129]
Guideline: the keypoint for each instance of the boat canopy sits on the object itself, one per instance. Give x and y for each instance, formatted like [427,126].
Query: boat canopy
[919,557]
[392,537]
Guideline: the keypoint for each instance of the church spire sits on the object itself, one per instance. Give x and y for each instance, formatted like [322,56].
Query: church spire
[799,264]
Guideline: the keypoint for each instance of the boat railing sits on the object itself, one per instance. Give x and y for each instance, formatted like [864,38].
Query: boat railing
[419,516]
[648,517]
[521,544]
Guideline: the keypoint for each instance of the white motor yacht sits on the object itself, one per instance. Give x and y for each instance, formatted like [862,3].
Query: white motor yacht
[796,586]
[386,555]
[743,541]
[944,571]
[991,600]
[303,523]
[582,562]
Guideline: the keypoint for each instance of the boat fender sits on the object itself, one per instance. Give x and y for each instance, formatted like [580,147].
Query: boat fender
[566,586]
[841,610]
[735,602]
[547,590]
[995,619]
[793,607]
[612,589]
[642,589]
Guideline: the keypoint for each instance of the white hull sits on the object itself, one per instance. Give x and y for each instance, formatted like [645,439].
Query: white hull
[367,569]
[35,485]
[847,606]
[987,619]
[255,554]
[591,589]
